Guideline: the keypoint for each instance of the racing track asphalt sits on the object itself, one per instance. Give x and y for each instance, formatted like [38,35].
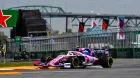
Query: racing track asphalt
[122,68]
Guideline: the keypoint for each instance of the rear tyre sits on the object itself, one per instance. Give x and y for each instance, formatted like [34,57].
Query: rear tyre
[107,62]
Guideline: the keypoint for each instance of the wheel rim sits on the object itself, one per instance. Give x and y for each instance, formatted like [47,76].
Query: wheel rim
[75,62]
[49,58]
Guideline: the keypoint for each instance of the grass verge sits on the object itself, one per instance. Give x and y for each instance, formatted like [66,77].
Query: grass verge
[15,64]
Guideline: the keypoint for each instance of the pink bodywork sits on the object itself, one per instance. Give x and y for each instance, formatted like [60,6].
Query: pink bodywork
[86,56]
[95,59]
[36,62]
[90,58]
[57,59]
[75,53]
[64,57]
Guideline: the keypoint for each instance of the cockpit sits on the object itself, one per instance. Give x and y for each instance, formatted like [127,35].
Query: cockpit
[72,53]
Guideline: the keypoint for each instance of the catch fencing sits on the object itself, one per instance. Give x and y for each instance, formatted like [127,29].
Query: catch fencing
[109,39]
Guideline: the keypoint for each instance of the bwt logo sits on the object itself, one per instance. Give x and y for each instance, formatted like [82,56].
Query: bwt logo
[67,64]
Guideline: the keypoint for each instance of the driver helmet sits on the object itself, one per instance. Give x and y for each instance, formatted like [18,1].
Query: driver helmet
[70,53]
[77,46]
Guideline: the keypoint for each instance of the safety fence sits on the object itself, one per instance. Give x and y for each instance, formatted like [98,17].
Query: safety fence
[121,44]
[115,53]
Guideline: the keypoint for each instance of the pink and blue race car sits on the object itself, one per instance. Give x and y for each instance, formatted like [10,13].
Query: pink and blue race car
[80,58]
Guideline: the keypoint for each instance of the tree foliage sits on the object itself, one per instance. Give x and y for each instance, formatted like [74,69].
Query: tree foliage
[3,39]
[55,32]
[68,31]
[88,29]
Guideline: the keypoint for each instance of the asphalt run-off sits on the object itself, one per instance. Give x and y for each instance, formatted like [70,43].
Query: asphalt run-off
[122,68]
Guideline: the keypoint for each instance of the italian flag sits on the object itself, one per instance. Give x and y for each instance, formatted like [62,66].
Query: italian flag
[8,18]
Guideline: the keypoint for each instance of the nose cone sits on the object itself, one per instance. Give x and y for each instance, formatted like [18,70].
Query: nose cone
[36,62]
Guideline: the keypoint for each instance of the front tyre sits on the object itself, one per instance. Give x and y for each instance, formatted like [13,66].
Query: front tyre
[74,62]
[49,58]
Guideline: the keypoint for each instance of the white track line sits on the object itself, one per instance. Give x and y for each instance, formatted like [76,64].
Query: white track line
[64,71]
[80,70]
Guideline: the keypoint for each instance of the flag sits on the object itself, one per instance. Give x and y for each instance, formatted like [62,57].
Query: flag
[8,18]
[105,24]
[121,22]
[81,26]
[121,35]
[94,23]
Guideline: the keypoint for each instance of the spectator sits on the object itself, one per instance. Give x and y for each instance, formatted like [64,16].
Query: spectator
[0,54]
[2,51]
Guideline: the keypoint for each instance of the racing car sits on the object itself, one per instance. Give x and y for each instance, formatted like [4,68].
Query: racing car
[78,59]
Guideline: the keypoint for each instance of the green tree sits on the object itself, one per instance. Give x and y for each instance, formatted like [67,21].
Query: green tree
[88,29]
[3,39]
[68,31]
[55,32]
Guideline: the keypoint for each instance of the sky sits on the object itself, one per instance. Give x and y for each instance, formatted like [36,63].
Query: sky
[77,6]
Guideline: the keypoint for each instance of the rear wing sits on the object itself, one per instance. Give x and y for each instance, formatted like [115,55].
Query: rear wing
[101,50]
